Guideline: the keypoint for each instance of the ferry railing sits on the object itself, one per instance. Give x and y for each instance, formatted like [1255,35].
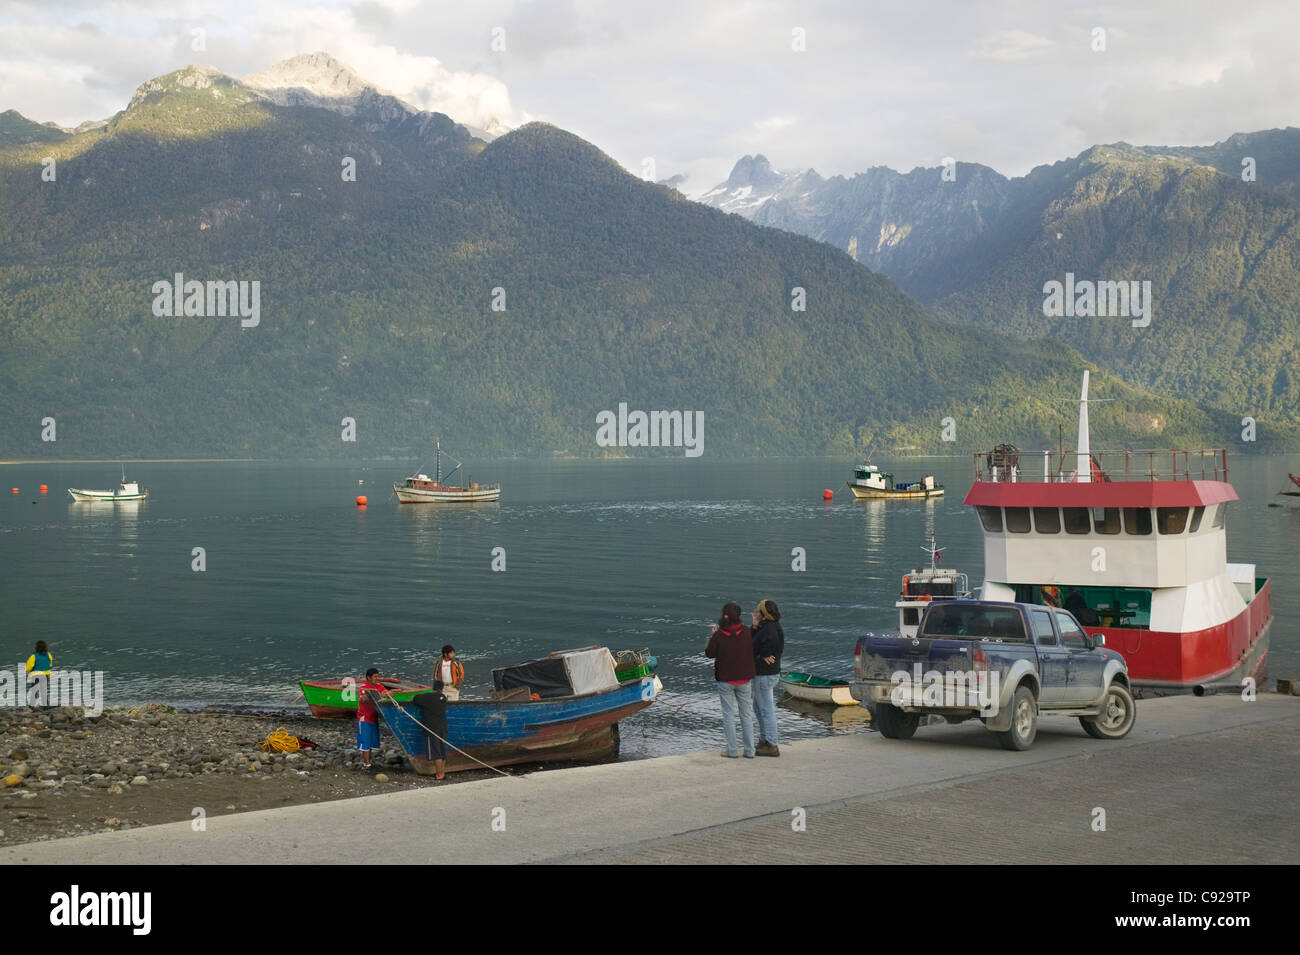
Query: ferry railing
[1006,464]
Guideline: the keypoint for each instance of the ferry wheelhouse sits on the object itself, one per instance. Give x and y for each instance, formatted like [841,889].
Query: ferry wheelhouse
[1134,544]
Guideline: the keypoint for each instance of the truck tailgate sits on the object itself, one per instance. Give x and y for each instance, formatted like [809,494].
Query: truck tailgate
[879,658]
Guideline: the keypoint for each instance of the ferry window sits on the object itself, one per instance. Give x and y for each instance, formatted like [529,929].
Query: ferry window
[1220,515]
[1076,520]
[1018,520]
[1106,520]
[1075,638]
[1137,520]
[911,616]
[1171,520]
[990,517]
[1197,514]
[1047,520]
[1044,635]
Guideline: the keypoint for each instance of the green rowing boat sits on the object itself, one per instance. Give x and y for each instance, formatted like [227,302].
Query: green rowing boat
[337,699]
[816,689]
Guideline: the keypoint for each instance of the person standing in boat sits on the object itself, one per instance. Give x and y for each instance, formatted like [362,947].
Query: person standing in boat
[769,644]
[450,672]
[39,665]
[368,717]
[731,647]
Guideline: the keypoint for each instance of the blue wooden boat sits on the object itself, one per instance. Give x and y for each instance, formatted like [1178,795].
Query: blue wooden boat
[558,725]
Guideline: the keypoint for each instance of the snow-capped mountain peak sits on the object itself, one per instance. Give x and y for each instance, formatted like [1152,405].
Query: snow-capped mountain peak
[752,183]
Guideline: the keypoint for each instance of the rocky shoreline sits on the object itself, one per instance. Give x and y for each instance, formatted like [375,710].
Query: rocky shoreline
[63,773]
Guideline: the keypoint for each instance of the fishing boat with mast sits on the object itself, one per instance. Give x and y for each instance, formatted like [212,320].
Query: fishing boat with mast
[1134,545]
[125,491]
[869,482]
[924,584]
[421,489]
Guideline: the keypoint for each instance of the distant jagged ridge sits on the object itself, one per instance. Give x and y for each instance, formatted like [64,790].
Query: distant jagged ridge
[1220,251]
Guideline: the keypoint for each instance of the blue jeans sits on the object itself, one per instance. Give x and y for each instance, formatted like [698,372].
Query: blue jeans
[765,705]
[737,701]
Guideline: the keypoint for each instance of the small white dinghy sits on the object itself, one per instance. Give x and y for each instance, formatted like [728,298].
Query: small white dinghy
[816,689]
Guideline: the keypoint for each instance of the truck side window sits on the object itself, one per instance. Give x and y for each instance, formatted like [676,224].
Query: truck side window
[1074,636]
[1044,635]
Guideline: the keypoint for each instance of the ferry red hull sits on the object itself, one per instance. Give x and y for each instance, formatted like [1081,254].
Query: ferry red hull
[1225,653]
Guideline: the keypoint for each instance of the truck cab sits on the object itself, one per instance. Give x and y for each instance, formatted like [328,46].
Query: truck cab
[1001,662]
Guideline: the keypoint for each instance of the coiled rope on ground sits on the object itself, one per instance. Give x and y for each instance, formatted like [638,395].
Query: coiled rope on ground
[282,741]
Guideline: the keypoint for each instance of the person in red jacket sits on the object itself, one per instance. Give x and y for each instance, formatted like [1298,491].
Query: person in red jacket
[731,647]
[368,717]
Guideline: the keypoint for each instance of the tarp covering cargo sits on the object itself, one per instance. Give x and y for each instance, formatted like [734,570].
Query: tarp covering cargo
[571,673]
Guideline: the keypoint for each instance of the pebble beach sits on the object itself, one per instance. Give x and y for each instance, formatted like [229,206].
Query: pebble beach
[63,773]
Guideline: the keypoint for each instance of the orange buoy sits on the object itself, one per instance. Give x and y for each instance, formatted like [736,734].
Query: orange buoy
[44,488]
[14,489]
[361,501]
[827,494]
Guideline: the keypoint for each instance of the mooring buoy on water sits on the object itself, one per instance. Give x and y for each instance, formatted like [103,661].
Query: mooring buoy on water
[361,501]
[827,494]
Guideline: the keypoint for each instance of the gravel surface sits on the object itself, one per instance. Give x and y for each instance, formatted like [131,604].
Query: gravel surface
[65,774]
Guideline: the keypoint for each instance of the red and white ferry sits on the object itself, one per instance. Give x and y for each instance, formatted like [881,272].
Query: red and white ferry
[1134,544]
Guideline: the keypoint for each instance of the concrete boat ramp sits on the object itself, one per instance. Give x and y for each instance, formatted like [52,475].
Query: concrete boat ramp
[1209,780]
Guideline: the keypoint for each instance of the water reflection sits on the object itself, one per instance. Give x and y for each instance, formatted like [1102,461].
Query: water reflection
[838,719]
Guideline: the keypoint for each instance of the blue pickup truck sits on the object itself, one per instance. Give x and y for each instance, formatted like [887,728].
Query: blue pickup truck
[1003,663]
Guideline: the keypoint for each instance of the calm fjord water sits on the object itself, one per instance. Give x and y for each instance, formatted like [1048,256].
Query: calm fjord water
[301,583]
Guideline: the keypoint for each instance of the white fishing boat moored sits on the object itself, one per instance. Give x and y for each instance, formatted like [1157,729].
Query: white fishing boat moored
[125,491]
[421,489]
[869,482]
[925,584]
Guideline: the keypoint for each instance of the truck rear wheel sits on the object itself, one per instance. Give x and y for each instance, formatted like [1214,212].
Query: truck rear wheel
[893,723]
[1118,714]
[1024,721]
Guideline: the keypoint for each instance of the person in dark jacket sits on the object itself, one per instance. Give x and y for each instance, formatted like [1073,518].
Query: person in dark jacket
[433,714]
[731,647]
[769,644]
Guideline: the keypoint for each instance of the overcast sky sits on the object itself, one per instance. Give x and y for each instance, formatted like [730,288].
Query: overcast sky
[695,84]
